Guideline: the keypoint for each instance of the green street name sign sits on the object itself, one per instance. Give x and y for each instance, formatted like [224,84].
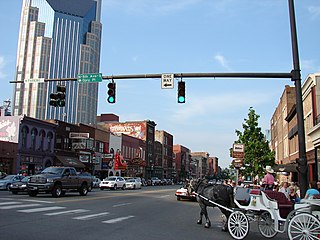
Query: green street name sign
[90,77]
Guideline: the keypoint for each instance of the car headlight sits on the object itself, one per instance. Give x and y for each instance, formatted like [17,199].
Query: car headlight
[49,180]
[24,185]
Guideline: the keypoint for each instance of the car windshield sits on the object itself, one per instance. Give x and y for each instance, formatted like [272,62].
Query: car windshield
[111,178]
[131,180]
[51,170]
[25,179]
[9,177]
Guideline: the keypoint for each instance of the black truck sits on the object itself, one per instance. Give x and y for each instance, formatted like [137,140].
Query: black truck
[58,181]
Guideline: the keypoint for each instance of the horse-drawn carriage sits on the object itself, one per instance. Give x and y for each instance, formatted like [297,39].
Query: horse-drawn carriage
[272,211]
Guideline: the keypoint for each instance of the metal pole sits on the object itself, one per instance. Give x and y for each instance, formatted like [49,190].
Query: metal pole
[296,77]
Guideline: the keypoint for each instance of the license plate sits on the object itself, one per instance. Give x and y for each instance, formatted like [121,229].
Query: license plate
[34,188]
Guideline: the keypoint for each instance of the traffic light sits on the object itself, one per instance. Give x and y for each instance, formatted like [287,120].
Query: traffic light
[58,99]
[53,99]
[111,92]
[61,92]
[181,92]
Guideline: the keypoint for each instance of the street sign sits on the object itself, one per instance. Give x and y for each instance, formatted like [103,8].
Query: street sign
[90,77]
[238,151]
[167,80]
[34,80]
[237,163]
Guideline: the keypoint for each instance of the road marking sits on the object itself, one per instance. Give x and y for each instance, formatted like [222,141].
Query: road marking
[40,209]
[8,203]
[115,220]
[87,217]
[67,212]
[37,201]
[20,206]
[164,196]
[6,199]
[121,204]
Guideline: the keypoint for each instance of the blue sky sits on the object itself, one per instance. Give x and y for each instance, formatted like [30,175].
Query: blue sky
[180,36]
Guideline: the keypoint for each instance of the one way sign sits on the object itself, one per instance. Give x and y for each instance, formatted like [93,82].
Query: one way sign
[167,80]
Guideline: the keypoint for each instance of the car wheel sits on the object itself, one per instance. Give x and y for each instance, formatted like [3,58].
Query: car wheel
[83,190]
[123,187]
[178,198]
[134,186]
[115,187]
[56,191]
[8,186]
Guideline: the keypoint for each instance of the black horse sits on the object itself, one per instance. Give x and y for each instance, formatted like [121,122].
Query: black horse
[221,194]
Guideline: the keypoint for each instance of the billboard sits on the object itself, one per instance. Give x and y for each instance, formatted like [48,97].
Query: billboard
[133,129]
[9,128]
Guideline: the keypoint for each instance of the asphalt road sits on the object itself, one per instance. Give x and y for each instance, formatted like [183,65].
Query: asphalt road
[149,213]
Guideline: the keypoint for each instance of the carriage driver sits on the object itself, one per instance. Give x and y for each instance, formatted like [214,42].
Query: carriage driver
[268,179]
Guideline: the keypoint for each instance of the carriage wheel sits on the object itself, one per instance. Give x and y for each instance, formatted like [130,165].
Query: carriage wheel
[238,225]
[266,225]
[304,226]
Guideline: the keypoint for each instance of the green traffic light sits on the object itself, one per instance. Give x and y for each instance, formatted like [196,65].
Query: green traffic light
[181,99]
[111,99]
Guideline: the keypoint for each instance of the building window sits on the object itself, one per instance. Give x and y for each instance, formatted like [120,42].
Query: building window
[42,135]
[24,133]
[49,138]
[34,134]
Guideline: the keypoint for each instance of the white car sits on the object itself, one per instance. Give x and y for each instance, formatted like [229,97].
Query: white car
[113,183]
[133,183]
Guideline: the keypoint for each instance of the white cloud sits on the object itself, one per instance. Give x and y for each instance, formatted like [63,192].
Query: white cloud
[2,65]
[218,103]
[314,11]
[222,61]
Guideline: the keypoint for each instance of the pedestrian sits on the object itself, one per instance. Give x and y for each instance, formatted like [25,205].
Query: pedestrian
[268,179]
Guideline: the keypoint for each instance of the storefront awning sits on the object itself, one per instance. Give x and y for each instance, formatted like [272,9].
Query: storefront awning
[291,167]
[68,161]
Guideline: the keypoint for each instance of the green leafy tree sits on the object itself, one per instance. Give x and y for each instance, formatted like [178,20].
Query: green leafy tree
[256,147]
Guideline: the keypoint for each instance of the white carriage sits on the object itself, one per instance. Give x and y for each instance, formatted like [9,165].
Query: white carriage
[274,214]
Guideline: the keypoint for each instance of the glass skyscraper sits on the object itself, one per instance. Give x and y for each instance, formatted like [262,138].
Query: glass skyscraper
[58,39]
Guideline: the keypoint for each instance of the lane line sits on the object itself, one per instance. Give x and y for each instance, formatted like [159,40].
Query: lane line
[121,204]
[67,212]
[115,220]
[87,217]
[37,201]
[20,206]
[41,209]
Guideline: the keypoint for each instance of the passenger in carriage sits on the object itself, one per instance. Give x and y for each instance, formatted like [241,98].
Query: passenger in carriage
[312,190]
[284,189]
[294,198]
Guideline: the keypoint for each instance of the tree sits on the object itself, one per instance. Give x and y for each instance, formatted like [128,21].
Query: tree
[257,153]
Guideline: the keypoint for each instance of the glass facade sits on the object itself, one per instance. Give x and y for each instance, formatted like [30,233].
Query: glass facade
[58,39]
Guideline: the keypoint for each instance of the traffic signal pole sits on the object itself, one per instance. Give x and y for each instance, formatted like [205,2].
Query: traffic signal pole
[296,77]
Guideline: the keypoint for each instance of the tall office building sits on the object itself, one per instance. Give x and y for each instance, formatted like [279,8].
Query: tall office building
[58,39]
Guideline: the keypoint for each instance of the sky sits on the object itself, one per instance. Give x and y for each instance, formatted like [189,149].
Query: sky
[191,36]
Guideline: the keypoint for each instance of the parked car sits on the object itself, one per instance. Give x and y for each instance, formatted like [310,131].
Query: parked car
[95,182]
[113,183]
[155,181]
[20,186]
[133,184]
[182,193]
[8,180]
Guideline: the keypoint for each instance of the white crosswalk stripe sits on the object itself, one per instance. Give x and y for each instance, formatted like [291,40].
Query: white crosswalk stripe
[20,206]
[91,216]
[32,210]
[67,212]
[36,201]
[9,203]
[115,220]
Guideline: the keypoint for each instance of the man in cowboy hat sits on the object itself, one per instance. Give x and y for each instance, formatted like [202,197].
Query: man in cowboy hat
[268,179]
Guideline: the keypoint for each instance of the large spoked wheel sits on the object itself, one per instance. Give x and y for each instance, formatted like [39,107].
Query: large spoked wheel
[238,225]
[304,226]
[266,225]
